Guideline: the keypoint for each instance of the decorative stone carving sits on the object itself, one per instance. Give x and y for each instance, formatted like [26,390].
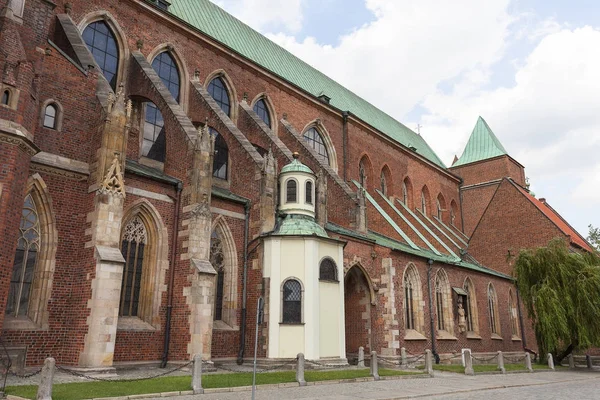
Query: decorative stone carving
[113,180]
[201,210]
[462,320]
[135,231]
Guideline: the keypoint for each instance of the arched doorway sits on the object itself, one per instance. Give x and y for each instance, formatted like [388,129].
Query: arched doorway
[358,298]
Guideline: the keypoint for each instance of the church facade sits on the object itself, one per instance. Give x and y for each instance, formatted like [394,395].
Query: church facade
[163,166]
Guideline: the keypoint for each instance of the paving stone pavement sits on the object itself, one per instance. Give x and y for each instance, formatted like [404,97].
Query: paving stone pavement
[536,385]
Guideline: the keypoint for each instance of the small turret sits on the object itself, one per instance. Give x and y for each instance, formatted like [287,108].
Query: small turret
[297,193]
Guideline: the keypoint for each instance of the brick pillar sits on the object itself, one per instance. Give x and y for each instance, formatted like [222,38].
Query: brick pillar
[105,219]
[200,295]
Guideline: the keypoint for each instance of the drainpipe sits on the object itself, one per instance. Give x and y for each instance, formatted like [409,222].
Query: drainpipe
[345,116]
[165,357]
[431,325]
[240,358]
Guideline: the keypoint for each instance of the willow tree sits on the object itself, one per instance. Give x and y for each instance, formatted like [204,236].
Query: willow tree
[560,289]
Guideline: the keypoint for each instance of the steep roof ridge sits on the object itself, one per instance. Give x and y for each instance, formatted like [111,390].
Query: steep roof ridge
[483,144]
[555,218]
[233,33]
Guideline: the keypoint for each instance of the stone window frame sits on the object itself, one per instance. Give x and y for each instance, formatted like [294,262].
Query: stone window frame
[317,124]
[494,316]
[120,38]
[386,181]
[365,173]
[513,313]
[292,278]
[154,268]
[184,81]
[453,212]
[231,91]
[287,201]
[13,96]
[411,275]
[41,290]
[58,120]
[472,309]
[228,319]
[17,11]
[270,109]
[444,290]
[425,200]
[441,206]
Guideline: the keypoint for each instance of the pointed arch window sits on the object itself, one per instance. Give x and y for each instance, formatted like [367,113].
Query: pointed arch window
[221,156]
[217,260]
[28,247]
[423,203]
[514,316]
[404,193]
[443,296]
[439,210]
[309,192]
[260,108]
[6,97]
[413,308]
[103,46]
[291,191]
[154,142]
[50,115]
[362,174]
[166,68]
[383,184]
[315,140]
[409,297]
[471,314]
[133,248]
[218,91]
[493,310]
[291,302]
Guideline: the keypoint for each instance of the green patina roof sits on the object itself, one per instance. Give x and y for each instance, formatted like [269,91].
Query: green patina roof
[218,24]
[296,166]
[300,225]
[482,145]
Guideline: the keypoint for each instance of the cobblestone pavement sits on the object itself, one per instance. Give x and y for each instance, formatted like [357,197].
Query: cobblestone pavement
[536,385]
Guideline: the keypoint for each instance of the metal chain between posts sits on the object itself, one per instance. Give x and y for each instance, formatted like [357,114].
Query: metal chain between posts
[484,359]
[453,357]
[517,360]
[318,364]
[413,360]
[94,378]
[266,369]
[25,376]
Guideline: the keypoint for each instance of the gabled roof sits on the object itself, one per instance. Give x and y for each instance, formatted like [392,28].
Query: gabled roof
[550,213]
[482,145]
[223,27]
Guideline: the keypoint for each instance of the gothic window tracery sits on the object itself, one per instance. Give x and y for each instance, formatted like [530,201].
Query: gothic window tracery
[28,247]
[218,91]
[133,247]
[166,68]
[261,108]
[217,260]
[413,309]
[493,310]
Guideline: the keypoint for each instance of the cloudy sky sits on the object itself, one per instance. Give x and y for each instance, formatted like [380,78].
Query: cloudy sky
[531,68]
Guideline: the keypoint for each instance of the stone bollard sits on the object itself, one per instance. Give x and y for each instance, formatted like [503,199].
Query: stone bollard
[404,363]
[45,388]
[571,361]
[501,362]
[361,357]
[428,363]
[374,366]
[588,361]
[528,362]
[469,363]
[300,370]
[197,375]
[550,362]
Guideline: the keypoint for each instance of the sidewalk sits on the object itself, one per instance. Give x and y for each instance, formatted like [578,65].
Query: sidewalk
[442,383]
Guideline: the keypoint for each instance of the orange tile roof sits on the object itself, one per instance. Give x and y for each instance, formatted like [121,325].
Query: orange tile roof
[557,220]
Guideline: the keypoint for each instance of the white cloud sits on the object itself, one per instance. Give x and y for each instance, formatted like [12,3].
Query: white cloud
[410,47]
[266,15]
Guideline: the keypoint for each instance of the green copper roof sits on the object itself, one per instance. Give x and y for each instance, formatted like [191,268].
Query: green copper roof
[482,145]
[300,225]
[296,166]
[216,23]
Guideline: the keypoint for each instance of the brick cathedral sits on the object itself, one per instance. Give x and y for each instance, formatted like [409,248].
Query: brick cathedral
[163,165]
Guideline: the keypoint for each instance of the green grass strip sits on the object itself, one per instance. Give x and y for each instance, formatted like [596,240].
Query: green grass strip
[88,390]
[457,368]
